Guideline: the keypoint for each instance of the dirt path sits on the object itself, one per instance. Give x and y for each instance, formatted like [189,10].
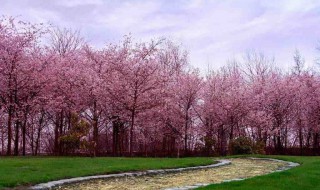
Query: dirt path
[239,169]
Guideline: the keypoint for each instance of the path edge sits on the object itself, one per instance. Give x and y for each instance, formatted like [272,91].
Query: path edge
[280,169]
[62,182]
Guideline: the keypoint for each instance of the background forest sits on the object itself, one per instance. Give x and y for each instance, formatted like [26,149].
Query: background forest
[61,96]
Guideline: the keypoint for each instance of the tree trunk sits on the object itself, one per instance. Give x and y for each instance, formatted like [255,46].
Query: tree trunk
[300,139]
[115,137]
[286,138]
[95,128]
[37,149]
[60,133]
[32,145]
[107,139]
[278,144]
[131,133]
[315,143]
[38,140]
[95,136]
[308,139]
[186,134]
[9,130]
[56,135]
[24,138]
[222,143]
[24,125]
[2,141]
[231,128]
[16,140]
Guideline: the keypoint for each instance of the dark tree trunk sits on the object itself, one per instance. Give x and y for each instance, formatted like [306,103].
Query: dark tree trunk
[24,125]
[231,133]
[32,145]
[115,137]
[222,143]
[231,129]
[279,146]
[24,138]
[60,133]
[56,134]
[2,141]
[131,132]
[9,130]
[107,139]
[308,139]
[286,138]
[39,133]
[300,140]
[38,142]
[95,129]
[16,140]
[315,143]
[186,133]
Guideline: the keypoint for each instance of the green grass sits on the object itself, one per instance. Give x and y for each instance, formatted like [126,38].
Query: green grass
[18,171]
[305,177]
[22,171]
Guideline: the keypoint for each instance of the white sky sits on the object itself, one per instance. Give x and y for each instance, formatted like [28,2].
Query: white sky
[212,31]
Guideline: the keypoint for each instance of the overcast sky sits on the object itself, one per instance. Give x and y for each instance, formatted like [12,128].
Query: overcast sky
[212,31]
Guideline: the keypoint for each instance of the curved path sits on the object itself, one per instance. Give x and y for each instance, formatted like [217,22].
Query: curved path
[175,179]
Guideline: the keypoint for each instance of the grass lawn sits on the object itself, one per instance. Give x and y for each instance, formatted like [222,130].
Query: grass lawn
[17,171]
[305,177]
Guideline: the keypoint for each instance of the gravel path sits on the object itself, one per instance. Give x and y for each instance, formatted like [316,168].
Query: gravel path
[239,169]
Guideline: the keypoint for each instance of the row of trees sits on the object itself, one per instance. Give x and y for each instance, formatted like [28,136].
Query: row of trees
[66,97]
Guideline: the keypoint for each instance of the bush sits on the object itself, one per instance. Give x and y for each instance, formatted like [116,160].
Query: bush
[208,148]
[241,145]
[258,148]
[73,139]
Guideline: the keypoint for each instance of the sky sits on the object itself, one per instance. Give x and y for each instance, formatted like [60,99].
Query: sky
[213,32]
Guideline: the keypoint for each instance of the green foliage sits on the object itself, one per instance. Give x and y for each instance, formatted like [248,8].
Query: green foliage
[241,145]
[88,146]
[73,141]
[244,145]
[70,143]
[258,147]
[208,147]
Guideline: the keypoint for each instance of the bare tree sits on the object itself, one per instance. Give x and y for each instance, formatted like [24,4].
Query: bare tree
[298,62]
[65,40]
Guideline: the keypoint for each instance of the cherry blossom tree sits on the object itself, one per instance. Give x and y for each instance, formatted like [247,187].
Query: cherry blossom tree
[63,95]
[19,67]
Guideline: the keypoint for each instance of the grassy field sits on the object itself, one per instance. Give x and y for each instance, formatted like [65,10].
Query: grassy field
[305,177]
[17,171]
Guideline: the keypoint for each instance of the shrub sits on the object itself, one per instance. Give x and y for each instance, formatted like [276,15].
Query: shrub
[207,145]
[241,145]
[73,139]
[258,147]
